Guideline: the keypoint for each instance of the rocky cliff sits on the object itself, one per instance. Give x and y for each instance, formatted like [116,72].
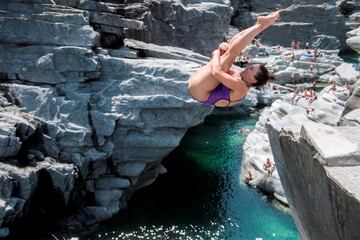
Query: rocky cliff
[322,23]
[201,25]
[82,114]
[351,10]
[292,110]
[191,24]
[319,169]
[315,147]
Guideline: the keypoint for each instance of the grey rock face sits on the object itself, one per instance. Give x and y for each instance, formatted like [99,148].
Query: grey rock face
[73,112]
[18,186]
[34,24]
[354,101]
[131,117]
[319,22]
[354,39]
[195,25]
[351,9]
[51,65]
[320,180]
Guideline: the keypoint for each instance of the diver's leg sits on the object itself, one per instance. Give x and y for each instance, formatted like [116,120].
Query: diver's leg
[242,39]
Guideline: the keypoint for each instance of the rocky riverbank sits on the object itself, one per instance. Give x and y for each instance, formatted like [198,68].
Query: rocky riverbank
[324,106]
[310,138]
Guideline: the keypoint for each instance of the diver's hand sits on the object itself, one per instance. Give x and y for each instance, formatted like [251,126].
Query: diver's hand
[223,47]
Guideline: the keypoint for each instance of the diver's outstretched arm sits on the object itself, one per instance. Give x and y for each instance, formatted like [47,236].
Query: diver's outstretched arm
[242,39]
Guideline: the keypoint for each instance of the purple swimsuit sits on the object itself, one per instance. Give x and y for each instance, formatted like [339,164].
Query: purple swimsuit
[219,93]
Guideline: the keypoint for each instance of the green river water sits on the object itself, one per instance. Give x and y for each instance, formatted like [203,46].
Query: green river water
[201,197]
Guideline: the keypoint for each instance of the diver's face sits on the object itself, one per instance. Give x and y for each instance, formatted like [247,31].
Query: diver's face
[249,73]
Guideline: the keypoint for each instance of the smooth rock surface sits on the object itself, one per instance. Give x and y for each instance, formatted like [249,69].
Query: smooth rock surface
[319,195]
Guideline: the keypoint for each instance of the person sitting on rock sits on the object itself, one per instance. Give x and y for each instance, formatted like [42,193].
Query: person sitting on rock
[296,96]
[333,86]
[309,110]
[292,78]
[217,83]
[314,57]
[307,46]
[349,87]
[269,167]
[313,96]
[248,177]
[307,94]
[313,85]
[293,44]
[311,68]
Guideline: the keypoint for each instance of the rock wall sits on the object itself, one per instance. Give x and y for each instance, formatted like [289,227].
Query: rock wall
[191,24]
[322,23]
[328,108]
[316,150]
[351,9]
[319,171]
[83,113]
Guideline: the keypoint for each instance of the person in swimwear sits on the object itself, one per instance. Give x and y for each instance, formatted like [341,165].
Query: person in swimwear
[217,83]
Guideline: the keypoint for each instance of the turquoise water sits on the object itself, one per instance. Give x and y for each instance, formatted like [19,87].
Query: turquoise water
[350,57]
[200,197]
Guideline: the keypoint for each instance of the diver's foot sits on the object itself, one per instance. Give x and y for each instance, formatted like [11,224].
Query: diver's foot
[266,21]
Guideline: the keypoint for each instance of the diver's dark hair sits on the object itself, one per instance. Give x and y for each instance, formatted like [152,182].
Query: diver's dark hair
[262,76]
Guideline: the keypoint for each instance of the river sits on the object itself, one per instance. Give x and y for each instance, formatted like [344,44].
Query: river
[201,196]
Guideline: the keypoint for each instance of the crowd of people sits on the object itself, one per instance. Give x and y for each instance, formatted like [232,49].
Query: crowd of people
[308,94]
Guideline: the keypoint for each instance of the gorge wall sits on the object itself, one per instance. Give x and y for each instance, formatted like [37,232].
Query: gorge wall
[81,113]
[322,23]
[319,170]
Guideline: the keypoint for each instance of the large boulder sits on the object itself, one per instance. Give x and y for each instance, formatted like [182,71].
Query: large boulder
[354,39]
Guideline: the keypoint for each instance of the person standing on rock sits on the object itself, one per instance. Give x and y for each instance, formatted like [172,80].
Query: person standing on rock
[217,83]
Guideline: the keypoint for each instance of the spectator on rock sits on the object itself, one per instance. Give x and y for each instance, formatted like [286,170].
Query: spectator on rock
[313,97]
[333,86]
[292,78]
[313,86]
[293,44]
[296,95]
[269,167]
[311,68]
[309,110]
[248,177]
[307,46]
